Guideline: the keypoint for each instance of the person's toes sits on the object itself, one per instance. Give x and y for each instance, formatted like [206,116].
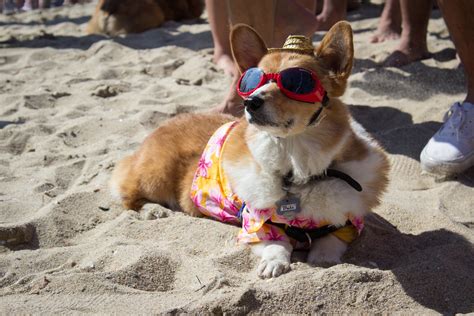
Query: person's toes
[324,23]
[226,63]
[382,36]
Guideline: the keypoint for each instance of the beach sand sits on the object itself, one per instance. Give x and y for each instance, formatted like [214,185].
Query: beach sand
[72,105]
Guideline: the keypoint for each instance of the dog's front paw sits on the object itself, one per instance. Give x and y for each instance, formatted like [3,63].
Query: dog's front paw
[327,251]
[272,268]
[275,258]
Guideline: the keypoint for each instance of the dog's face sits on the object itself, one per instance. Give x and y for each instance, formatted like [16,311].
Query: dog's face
[267,108]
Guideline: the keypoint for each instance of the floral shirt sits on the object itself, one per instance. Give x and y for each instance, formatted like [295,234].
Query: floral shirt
[213,195]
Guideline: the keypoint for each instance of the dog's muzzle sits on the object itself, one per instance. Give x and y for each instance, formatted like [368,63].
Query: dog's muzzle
[253,104]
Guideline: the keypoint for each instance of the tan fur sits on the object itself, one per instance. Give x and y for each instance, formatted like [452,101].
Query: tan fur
[162,169]
[115,17]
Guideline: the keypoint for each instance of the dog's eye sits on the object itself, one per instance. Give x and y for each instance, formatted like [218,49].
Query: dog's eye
[251,79]
[297,81]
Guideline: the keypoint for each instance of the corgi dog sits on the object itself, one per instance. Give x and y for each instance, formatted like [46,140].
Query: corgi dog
[114,17]
[295,171]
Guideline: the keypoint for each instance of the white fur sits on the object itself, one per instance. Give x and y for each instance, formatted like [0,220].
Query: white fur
[328,249]
[115,190]
[306,155]
[258,181]
[275,258]
[258,188]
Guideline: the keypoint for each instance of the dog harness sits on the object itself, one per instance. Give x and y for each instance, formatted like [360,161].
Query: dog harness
[212,194]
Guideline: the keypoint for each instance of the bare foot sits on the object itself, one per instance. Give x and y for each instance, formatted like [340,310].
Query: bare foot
[333,12]
[287,11]
[401,58]
[233,103]
[390,24]
[226,63]
[326,21]
[386,33]
[230,107]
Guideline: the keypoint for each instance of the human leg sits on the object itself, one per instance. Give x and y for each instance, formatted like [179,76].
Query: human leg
[277,24]
[451,149]
[220,29]
[390,23]
[412,46]
[333,12]
[458,17]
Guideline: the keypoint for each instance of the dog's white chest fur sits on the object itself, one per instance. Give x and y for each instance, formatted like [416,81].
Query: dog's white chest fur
[259,181]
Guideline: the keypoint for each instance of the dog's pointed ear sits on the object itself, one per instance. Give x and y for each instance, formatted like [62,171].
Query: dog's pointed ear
[336,52]
[247,46]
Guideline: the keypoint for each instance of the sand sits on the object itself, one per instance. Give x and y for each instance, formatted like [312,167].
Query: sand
[72,105]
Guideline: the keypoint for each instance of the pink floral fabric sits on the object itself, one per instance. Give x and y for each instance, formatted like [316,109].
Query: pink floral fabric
[214,197]
[210,191]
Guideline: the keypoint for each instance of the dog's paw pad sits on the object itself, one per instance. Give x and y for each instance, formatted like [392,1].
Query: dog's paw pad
[272,268]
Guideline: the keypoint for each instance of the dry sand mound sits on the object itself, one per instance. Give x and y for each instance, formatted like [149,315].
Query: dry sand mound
[72,105]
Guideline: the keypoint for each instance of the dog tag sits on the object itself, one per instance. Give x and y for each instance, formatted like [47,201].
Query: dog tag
[288,206]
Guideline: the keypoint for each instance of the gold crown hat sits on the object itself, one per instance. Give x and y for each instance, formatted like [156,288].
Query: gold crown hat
[296,44]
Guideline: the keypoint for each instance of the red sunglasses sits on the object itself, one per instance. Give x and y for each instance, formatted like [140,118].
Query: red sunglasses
[296,83]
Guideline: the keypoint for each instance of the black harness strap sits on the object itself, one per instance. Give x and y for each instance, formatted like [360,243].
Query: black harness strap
[344,176]
[316,114]
[332,173]
[302,235]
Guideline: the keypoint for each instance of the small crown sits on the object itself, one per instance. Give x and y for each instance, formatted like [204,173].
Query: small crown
[296,43]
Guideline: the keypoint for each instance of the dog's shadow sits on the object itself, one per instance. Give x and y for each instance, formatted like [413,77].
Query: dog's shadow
[434,268]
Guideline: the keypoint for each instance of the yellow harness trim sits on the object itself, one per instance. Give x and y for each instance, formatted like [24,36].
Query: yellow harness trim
[347,233]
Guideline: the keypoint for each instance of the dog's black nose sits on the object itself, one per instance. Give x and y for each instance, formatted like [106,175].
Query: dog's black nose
[253,103]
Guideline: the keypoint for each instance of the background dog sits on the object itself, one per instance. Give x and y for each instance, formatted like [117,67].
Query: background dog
[113,17]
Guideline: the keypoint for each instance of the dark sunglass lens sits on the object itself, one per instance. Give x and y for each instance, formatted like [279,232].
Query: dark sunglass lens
[297,81]
[250,80]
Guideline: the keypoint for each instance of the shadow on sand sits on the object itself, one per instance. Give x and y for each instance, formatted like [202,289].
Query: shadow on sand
[155,38]
[419,82]
[396,132]
[56,20]
[434,268]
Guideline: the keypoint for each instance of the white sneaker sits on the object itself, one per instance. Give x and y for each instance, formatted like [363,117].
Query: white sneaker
[451,149]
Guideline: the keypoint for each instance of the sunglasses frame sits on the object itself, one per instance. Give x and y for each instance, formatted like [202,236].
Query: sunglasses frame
[316,95]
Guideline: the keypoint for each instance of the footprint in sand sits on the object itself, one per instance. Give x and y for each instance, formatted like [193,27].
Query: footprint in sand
[456,201]
[9,59]
[39,101]
[241,261]
[152,119]
[64,219]
[16,144]
[163,69]
[65,175]
[111,90]
[152,273]
[64,178]
[15,235]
